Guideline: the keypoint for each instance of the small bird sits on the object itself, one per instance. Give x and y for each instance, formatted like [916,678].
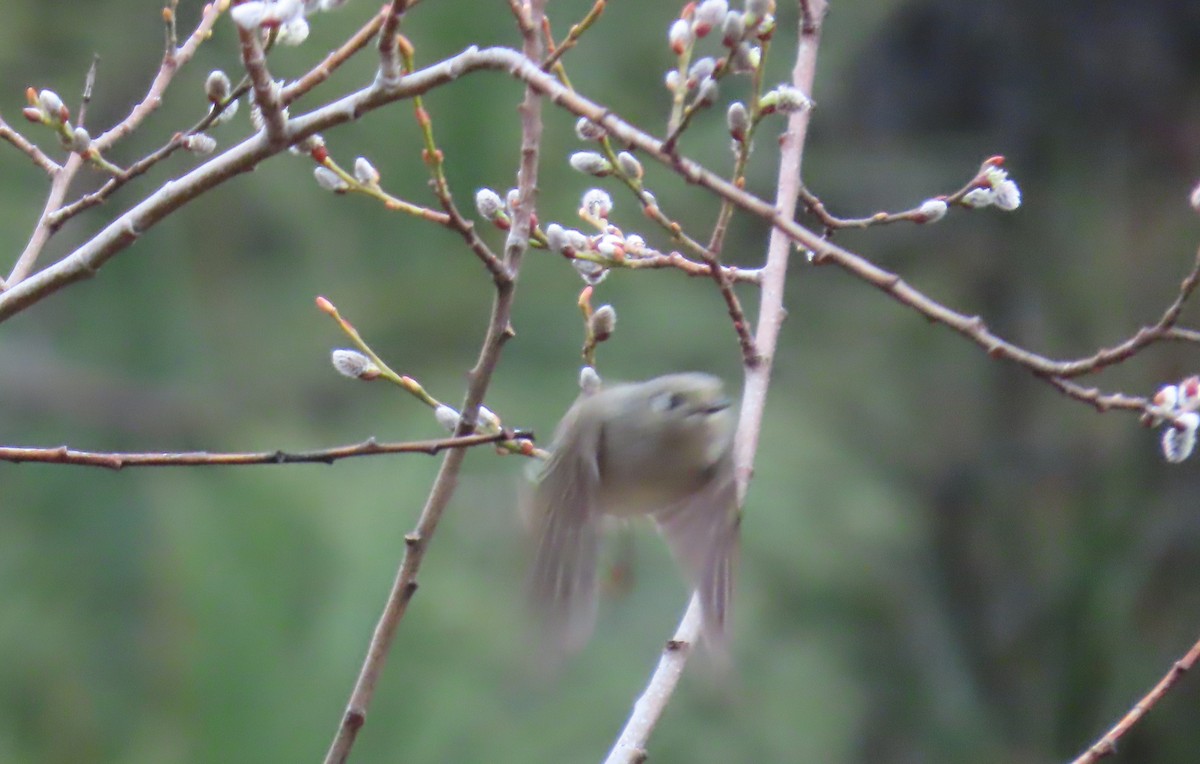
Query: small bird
[662,448]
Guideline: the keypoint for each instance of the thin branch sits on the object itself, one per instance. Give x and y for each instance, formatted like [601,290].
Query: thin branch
[389,62]
[573,35]
[89,85]
[119,461]
[28,148]
[693,268]
[630,746]
[323,70]
[172,60]
[498,332]
[266,94]
[1107,745]
[42,232]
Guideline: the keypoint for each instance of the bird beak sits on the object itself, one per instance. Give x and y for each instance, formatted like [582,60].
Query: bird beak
[720,404]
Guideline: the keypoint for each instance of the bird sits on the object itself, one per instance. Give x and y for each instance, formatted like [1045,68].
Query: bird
[661,448]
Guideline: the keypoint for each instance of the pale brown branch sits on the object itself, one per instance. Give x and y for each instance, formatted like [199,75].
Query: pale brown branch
[498,332]
[172,61]
[119,461]
[389,62]
[42,232]
[692,268]
[266,95]
[573,35]
[89,85]
[1107,745]
[335,59]
[26,147]
[47,224]
[630,746]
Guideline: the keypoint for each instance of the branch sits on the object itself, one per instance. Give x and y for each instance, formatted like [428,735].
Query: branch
[118,461]
[1107,745]
[266,94]
[47,224]
[125,229]
[630,745]
[498,332]
[36,155]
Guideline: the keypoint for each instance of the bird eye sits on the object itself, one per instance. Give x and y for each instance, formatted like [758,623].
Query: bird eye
[669,401]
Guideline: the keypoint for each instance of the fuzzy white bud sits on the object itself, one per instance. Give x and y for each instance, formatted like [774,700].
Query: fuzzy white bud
[590,163]
[630,165]
[80,140]
[931,211]
[597,203]
[709,14]
[353,364]
[488,420]
[738,120]
[556,237]
[365,172]
[199,143]
[488,203]
[587,130]
[680,36]
[786,99]
[330,180]
[603,322]
[248,16]
[1007,195]
[592,273]
[589,380]
[701,70]
[217,87]
[446,417]
[979,197]
[293,32]
[635,245]
[1179,437]
[52,104]
[733,29]
[707,92]
[576,240]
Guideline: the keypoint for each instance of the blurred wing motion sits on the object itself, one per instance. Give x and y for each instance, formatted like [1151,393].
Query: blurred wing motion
[565,522]
[702,531]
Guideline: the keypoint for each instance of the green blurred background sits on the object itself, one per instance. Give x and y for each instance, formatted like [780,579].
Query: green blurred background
[945,560]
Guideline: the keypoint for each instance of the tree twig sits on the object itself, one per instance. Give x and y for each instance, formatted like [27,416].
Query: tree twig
[26,147]
[498,332]
[1107,745]
[630,746]
[118,461]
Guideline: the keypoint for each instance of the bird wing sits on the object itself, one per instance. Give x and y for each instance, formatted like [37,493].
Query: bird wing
[702,531]
[563,511]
